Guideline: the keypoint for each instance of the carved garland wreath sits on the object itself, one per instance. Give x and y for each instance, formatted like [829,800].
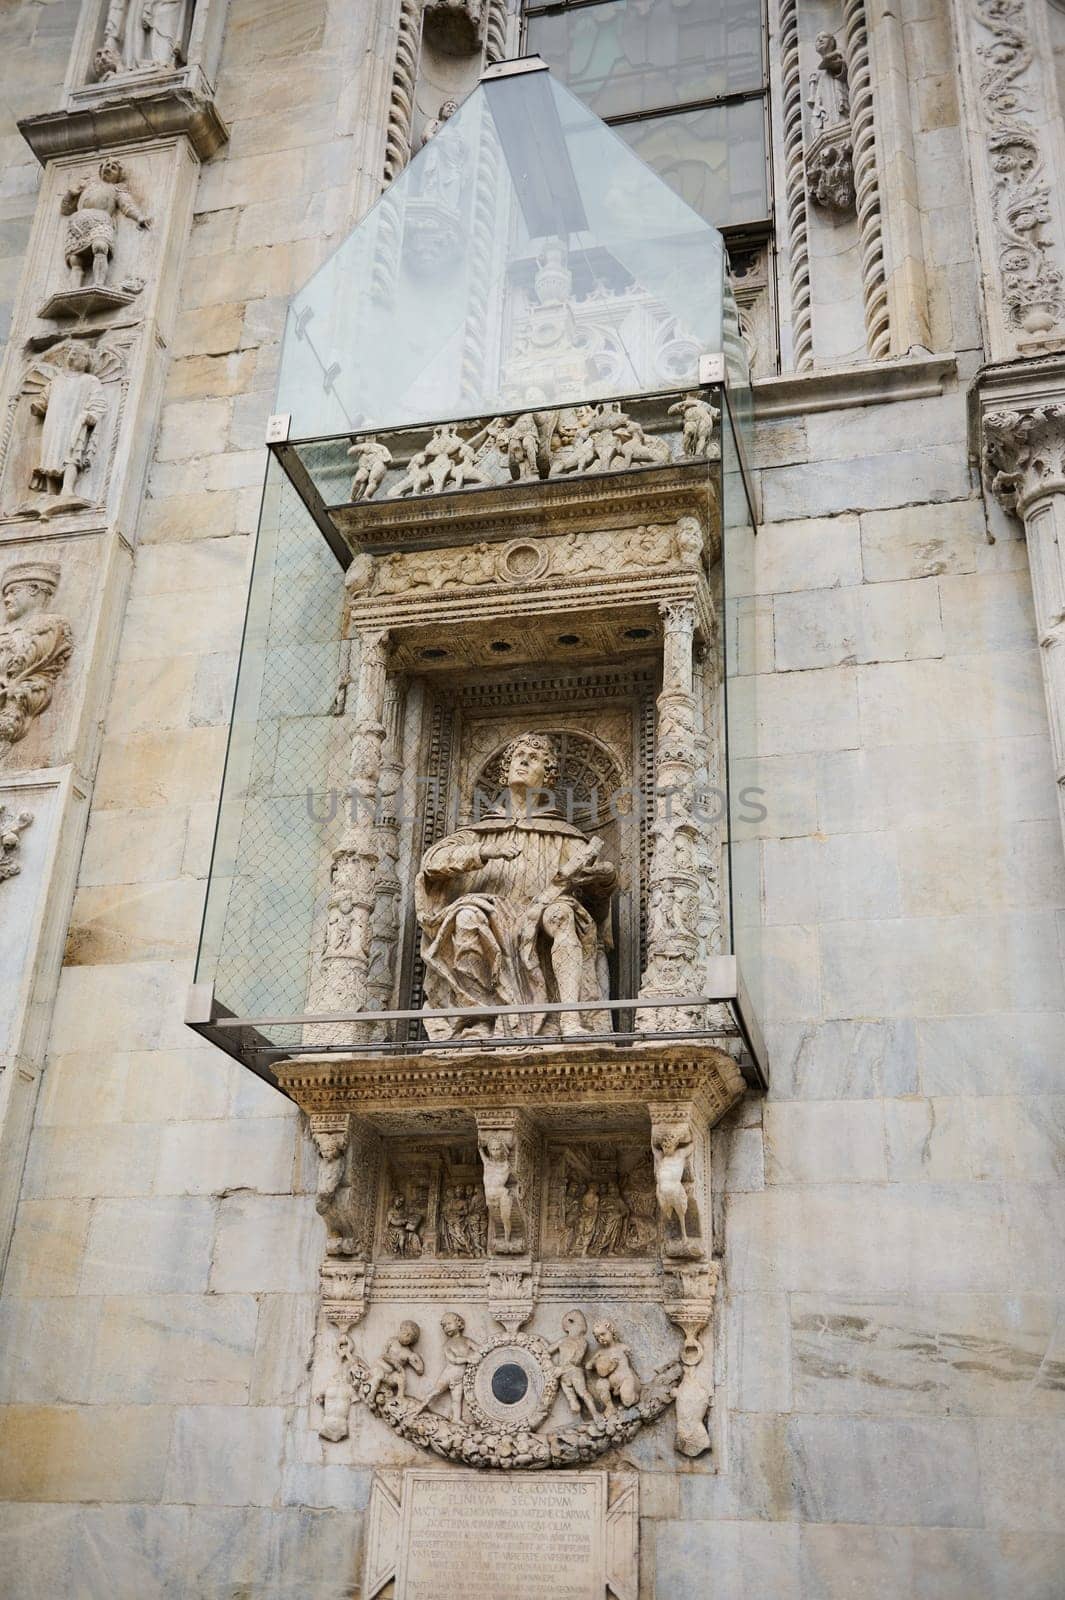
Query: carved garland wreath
[509,1446]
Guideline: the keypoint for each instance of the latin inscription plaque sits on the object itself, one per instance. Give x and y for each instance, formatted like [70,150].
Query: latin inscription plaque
[494,1536]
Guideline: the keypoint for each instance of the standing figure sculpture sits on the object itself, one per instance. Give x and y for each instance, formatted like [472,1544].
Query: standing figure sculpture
[501,1191]
[333,1196]
[142,33]
[515,910]
[829,98]
[672,1146]
[458,1353]
[35,646]
[614,1377]
[700,419]
[92,206]
[70,405]
[571,1351]
[372,460]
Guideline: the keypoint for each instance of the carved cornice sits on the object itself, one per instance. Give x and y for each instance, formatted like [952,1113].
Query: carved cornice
[152,111]
[593,1074]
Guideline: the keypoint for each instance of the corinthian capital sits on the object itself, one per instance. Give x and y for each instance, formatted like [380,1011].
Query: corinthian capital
[1024,454]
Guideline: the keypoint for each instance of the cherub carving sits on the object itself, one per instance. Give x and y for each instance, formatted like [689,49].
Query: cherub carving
[613,1374]
[570,1352]
[389,1371]
[459,1351]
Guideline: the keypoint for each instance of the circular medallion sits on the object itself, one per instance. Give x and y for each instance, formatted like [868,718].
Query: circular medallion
[522,561]
[512,1383]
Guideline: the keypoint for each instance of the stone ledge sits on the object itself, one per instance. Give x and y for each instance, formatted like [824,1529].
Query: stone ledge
[385,1090]
[913,377]
[152,112]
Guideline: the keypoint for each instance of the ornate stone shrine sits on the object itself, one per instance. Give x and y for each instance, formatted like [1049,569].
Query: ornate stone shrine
[517,1014]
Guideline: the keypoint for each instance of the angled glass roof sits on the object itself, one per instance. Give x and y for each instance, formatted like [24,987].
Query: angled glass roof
[524,257]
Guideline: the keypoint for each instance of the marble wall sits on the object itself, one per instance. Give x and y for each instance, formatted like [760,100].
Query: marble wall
[892,1212]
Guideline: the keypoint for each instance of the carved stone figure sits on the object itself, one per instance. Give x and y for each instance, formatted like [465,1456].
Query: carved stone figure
[433,126]
[829,98]
[92,206]
[614,1377]
[373,460]
[142,33]
[458,1353]
[609,1235]
[333,1199]
[700,419]
[70,404]
[515,909]
[570,1352]
[522,443]
[605,439]
[830,157]
[501,1192]
[447,462]
[673,1146]
[402,1228]
[335,1401]
[12,826]
[389,1371]
[35,646]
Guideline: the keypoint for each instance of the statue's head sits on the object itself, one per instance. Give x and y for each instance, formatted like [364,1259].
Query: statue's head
[27,585]
[451,1324]
[605,1333]
[78,359]
[112,171]
[574,1322]
[448,109]
[330,1145]
[825,43]
[409,1333]
[530,761]
[668,1141]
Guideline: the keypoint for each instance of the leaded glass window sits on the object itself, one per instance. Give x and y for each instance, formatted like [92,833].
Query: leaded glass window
[684,81]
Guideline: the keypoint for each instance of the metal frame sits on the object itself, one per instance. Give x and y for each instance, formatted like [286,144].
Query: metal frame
[240,1036]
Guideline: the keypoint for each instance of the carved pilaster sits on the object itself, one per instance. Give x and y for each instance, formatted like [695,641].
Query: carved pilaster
[384,921]
[340,982]
[795,189]
[1005,62]
[673,966]
[866,179]
[1024,465]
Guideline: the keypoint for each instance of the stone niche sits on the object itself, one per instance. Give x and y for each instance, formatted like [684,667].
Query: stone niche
[520,1273]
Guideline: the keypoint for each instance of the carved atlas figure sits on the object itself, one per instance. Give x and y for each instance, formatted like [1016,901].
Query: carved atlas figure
[673,1146]
[515,909]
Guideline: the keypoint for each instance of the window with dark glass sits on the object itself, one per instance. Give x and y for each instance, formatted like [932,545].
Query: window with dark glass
[683,81]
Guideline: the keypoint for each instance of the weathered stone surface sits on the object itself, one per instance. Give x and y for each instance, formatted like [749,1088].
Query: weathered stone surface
[185,1349]
[82,1453]
[149,1246]
[225,1455]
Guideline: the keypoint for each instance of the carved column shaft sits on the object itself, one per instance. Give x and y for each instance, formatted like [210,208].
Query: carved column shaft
[1024,462]
[384,921]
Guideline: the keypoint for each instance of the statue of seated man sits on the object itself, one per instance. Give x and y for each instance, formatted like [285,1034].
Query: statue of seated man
[515,910]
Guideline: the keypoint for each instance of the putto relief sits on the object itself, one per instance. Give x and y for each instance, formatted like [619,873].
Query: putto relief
[515,910]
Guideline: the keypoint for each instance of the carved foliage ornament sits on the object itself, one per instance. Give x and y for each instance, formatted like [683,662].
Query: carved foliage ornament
[1024,454]
[1032,284]
[12,826]
[35,646]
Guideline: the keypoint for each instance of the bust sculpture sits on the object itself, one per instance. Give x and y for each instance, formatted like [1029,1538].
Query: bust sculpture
[515,909]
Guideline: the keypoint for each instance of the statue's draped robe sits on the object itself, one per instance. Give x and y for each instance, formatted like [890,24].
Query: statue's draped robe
[73,404]
[512,964]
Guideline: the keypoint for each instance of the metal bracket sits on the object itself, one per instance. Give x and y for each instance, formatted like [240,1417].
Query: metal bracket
[278,426]
[511,69]
[712,367]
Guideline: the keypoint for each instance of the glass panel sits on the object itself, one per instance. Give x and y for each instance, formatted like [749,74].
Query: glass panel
[749,786]
[482,278]
[286,749]
[630,55]
[714,159]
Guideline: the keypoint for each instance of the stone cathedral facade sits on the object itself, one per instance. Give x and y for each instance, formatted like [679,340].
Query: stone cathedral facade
[532,796]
